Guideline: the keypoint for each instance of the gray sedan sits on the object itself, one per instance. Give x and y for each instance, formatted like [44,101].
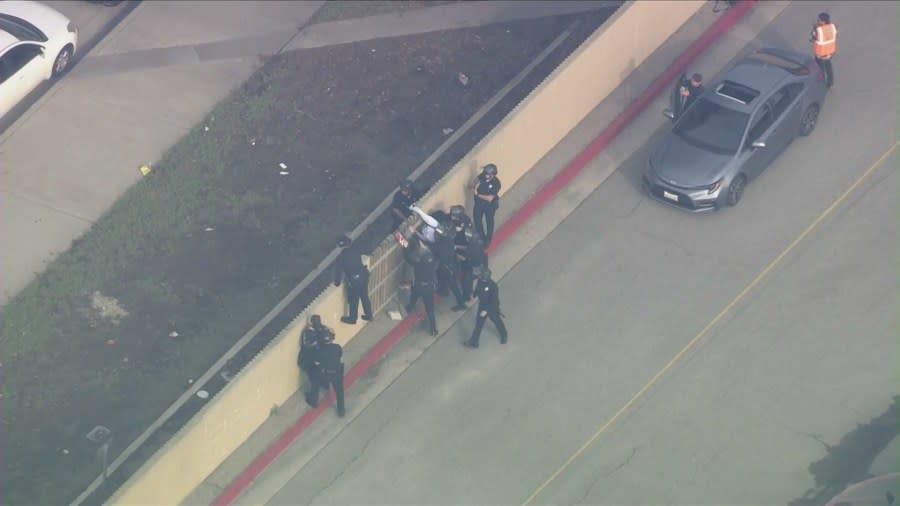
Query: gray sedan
[735,129]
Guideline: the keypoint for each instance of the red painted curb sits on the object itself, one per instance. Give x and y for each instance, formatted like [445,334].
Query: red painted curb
[575,167]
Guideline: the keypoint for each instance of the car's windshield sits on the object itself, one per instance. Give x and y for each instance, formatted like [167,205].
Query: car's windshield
[710,126]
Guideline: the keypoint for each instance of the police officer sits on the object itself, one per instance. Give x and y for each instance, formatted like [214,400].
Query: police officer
[330,372]
[403,198]
[349,264]
[824,39]
[425,278]
[476,259]
[487,200]
[448,265]
[310,339]
[488,294]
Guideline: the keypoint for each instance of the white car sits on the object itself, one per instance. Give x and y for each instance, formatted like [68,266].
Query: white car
[36,43]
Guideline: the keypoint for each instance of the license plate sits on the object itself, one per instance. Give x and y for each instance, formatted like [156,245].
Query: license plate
[670,196]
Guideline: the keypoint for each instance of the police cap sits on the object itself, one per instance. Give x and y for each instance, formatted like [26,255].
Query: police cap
[490,169]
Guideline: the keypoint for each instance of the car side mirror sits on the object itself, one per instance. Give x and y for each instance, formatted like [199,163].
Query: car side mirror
[669,114]
[758,144]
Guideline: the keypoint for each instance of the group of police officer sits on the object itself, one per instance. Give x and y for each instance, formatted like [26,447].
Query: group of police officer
[448,255]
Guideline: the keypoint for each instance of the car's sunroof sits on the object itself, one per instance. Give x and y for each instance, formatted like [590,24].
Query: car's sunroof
[737,92]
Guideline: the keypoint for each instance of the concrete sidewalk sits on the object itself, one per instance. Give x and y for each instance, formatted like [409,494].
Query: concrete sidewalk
[325,429]
[77,149]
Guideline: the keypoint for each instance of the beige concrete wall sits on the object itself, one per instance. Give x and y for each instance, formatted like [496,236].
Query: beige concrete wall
[527,134]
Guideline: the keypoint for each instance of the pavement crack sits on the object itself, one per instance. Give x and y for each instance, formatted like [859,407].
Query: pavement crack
[606,475]
[815,437]
[352,461]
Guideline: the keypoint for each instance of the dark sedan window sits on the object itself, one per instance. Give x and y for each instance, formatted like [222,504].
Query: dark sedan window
[710,126]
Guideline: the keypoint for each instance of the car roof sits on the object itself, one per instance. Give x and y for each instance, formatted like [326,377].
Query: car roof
[33,12]
[6,40]
[755,77]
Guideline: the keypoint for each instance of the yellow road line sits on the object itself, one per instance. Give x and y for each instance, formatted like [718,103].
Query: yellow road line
[712,323]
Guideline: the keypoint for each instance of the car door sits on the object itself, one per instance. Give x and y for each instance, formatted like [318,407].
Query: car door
[756,159]
[22,68]
[786,108]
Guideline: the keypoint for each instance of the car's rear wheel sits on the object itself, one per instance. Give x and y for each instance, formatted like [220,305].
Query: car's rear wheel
[809,120]
[62,61]
[736,190]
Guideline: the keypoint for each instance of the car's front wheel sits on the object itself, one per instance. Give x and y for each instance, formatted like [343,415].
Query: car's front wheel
[62,61]
[736,190]
[809,120]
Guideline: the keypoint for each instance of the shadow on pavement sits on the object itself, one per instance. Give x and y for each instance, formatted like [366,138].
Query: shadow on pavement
[850,460]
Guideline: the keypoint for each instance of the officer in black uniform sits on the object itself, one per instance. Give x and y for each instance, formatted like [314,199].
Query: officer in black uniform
[488,294]
[461,223]
[448,265]
[330,373]
[403,198]
[425,278]
[476,259]
[487,200]
[310,341]
[349,264]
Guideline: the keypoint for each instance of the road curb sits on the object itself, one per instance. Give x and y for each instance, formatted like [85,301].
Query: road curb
[107,28]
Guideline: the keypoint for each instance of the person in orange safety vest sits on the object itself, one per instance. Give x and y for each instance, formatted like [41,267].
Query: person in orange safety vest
[824,39]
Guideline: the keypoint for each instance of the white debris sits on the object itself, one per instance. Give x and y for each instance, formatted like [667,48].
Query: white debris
[209,229]
[447,131]
[203,394]
[395,315]
[108,307]
[282,165]
[463,79]
[284,173]
[174,333]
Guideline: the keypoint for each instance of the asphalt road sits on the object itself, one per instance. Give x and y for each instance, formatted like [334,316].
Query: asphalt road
[658,357]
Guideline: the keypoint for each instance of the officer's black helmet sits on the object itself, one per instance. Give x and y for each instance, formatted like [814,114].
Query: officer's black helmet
[484,274]
[406,185]
[490,169]
[315,320]
[457,212]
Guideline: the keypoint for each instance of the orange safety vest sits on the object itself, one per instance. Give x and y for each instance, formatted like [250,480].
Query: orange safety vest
[826,40]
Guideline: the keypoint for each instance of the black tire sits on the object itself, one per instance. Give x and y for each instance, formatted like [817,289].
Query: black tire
[736,190]
[809,120]
[63,61]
